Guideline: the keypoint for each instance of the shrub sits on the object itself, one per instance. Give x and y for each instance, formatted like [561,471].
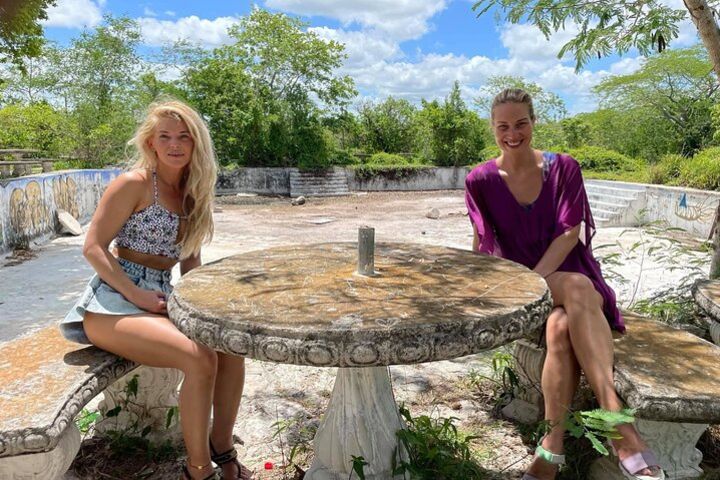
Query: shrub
[667,170]
[599,159]
[389,172]
[388,159]
[702,171]
[491,151]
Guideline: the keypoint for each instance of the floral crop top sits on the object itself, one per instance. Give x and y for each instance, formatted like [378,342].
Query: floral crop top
[152,230]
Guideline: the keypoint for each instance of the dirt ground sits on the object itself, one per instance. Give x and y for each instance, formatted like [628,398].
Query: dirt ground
[283,404]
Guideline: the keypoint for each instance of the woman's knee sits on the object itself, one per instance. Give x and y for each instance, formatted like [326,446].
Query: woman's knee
[579,289]
[557,332]
[201,360]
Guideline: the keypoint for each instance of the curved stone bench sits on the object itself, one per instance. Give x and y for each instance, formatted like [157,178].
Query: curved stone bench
[45,381]
[670,377]
[707,296]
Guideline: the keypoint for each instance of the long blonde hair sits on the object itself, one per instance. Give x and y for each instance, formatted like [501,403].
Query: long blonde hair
[200,174]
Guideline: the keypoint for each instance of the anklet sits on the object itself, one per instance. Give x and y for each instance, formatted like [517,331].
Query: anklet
[199,467]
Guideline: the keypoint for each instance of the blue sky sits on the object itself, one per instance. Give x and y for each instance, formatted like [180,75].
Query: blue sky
[406,48]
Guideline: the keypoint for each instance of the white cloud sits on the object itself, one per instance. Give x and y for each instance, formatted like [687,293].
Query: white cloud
[74,14]
[148,12]
[401,19]
[208,33]
[363,48]
[627,65]
[169,13]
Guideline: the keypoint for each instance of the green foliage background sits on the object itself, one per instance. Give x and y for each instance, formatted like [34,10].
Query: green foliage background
[273,97]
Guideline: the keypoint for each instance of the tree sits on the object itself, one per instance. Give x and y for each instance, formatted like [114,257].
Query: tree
[613,26]
[21,35]
[548,106]
[456,133]
[99,72]
[387,126]
[286,60]
[257,92]
[677,86]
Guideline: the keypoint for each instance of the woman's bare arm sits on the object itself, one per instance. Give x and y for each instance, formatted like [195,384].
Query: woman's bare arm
[189,263]
[118,202]
[557,252]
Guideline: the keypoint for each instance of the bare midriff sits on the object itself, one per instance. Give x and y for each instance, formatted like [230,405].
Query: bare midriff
[158,262]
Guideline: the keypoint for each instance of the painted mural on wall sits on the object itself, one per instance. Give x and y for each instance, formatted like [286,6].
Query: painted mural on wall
[28,205]
[701,211]
[27,210]
[66,195]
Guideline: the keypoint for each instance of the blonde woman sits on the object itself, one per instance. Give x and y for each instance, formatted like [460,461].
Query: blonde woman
[160,213]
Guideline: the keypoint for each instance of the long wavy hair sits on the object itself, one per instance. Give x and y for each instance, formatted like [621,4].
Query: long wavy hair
[200,174]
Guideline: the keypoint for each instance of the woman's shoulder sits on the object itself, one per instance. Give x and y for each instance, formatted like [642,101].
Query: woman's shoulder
[132,183]
[482,171]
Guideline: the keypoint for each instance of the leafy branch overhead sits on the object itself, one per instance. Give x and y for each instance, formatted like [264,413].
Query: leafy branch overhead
[610,26]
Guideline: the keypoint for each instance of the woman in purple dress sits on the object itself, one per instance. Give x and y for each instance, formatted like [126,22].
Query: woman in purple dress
[530,207]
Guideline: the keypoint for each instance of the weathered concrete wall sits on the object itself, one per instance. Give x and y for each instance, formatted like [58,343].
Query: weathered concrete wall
[435,178]
[265,181]
[687,208]
[276,181]
[28,205]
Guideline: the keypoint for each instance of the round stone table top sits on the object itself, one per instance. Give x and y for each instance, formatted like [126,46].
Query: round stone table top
[306,305]
[707,296]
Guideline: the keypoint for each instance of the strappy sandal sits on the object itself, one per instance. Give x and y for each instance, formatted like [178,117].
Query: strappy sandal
[547,456]
[221,459]
[187,476]
[637,462]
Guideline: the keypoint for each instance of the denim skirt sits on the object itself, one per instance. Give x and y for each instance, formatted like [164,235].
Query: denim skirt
[99,297]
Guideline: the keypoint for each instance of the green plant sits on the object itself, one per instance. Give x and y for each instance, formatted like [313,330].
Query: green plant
[436,450]
[598,425]
[298,435]
[504,379]
[358,467]
[388,160]
[133,436]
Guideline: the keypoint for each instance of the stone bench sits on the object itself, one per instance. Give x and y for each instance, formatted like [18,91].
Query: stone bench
[707,297]
[45,381]
[670,377]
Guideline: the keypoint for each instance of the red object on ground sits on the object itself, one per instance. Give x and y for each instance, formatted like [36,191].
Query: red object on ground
[268,466]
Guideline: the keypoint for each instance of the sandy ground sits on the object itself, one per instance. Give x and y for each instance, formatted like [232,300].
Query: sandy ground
[38,292]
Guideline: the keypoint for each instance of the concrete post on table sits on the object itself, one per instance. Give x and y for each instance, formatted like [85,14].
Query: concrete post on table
[366,251]
[362,398]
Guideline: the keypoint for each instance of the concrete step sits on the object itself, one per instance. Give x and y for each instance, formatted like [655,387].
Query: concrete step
[609,206]
[309,184]
[607,190]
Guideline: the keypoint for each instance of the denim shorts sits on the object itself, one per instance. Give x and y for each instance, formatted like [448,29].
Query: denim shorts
[99,297]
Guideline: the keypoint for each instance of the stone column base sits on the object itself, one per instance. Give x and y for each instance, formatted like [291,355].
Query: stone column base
[361,420]
[674,446]
[157,392]
[50,465]
[527,406]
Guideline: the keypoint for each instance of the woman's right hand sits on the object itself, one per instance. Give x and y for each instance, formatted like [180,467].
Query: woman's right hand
[151,300]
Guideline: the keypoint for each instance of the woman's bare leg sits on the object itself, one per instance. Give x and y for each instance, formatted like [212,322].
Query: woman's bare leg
[560,378]
[592,342]
[226,402]
[154,341]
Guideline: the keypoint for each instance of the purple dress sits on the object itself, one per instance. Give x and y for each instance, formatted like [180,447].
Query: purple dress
[523,233]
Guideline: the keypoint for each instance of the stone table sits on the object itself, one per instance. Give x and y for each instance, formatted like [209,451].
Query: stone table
[707,296]
[306,305]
